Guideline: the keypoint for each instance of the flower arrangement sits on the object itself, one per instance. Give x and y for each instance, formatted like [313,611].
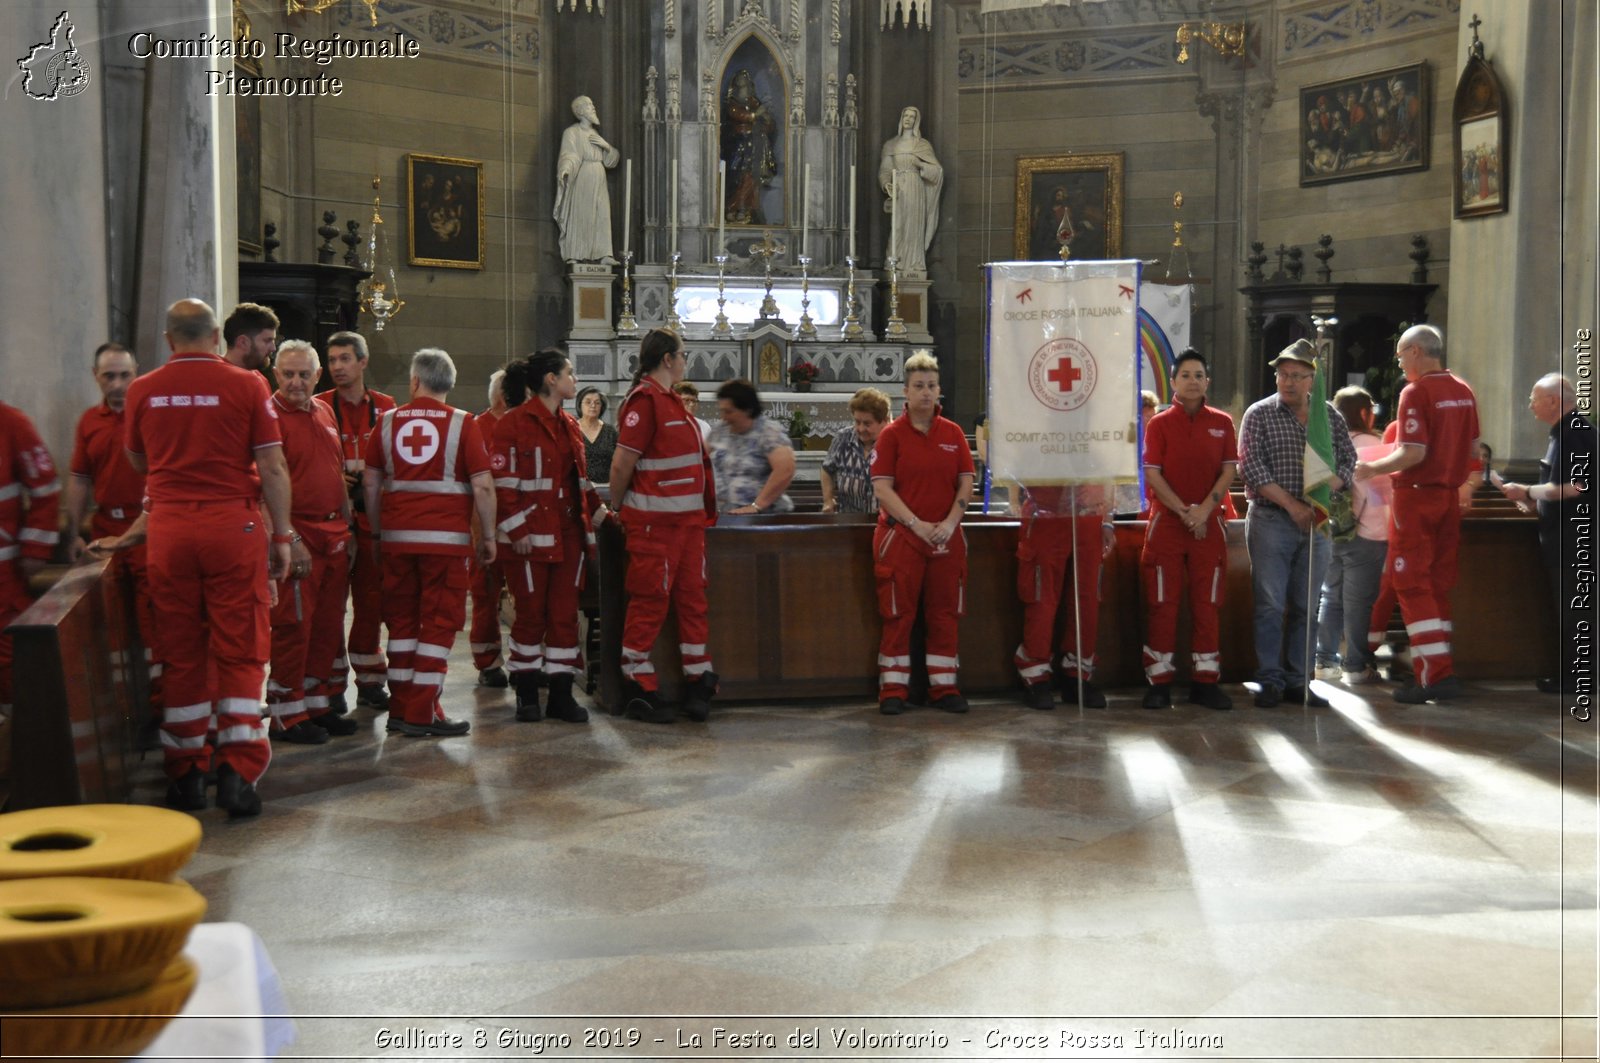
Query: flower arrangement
[799,425]
[802,373]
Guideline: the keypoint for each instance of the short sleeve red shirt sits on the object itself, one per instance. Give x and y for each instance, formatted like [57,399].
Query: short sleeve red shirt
[925,468]
[198,421]
[316,461]
[1439,411]
[1189,451]
[98,455]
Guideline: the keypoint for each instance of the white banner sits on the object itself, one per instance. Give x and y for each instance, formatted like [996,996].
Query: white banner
[1063,371]
[1163,332]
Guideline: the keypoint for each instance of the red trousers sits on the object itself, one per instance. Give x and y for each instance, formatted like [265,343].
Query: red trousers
[666,567]
[424,605]
[307,628]
[1424,540]
[1173,557]
[544,635]
[14,599]
[367,612]
[135,562]
[485,633]
[208,583]
[909,574]
[1045,547]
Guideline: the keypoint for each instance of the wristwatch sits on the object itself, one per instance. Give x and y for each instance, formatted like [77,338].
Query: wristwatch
[291,538]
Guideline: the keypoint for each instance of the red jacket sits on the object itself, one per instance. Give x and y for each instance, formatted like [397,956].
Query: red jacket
[533,482]
[25,471]
[429,453]
[672,483]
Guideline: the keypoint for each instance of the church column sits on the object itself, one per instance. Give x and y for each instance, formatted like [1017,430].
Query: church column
[1504,329]
[53,277]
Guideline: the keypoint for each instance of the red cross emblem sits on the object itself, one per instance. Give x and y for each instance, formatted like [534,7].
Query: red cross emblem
[417,442]
[1064,375]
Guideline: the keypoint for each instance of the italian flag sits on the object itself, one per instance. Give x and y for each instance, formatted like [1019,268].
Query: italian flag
[1320,462]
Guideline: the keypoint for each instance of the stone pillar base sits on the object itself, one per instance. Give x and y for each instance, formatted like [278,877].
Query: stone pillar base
[591,301]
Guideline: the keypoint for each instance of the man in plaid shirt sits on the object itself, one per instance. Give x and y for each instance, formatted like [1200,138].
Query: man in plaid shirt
[1279,527]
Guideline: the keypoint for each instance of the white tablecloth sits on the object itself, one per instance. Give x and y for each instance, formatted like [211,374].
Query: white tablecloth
[237,1010]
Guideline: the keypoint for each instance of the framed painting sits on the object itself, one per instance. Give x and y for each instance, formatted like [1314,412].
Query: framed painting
[444,201]
[1479,139]
[1069,205]
[247,161]
[1365,126]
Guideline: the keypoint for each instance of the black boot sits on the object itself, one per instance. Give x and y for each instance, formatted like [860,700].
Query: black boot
[562,705]
[646,705]
[697,697]
[527,685]
[235,795]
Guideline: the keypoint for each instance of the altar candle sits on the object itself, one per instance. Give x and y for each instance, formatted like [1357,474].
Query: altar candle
[627,200]
[852,210]
[672,205]
[805,213]
[722,207]
[894,218]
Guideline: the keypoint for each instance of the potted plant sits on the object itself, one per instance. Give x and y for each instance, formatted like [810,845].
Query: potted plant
[801,374]
[799,428]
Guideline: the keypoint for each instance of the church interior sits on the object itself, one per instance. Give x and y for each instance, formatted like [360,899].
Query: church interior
[1362,881]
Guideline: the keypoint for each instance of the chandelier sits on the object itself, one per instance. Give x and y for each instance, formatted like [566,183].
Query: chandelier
[1227,38]
[379,294]
[317,7]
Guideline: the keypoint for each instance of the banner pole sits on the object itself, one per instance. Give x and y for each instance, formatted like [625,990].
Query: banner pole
[1308,661]
[1077,614]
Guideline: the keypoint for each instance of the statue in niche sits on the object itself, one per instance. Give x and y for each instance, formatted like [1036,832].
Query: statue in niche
[909,173]
[583,203]
[748,129]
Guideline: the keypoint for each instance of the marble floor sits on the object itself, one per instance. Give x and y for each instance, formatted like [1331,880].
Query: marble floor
[1357,882]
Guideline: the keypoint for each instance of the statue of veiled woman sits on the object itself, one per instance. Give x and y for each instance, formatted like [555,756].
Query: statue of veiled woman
[909,168]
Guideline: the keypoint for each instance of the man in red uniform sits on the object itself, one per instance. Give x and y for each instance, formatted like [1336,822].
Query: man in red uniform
[356,409]
[429,463]
[1438,418]
[662,474]
[100,471]
[1066,532]
[201,430]
[486,579]
[922,474]
[308,618]
[1190,459]
[29,531]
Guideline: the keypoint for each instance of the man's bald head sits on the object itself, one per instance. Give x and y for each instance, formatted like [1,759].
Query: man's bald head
[191,324]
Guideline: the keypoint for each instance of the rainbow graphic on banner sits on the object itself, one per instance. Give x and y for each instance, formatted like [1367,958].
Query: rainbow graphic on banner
[1158,357]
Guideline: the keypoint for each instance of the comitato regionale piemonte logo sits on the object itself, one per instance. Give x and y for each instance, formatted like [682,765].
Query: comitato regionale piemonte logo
[55,69]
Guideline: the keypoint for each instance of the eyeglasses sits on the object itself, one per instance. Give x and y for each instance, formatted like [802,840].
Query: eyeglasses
[1293,377]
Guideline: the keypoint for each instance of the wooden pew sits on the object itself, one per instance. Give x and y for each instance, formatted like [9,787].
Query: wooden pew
[794,613]
[78,684]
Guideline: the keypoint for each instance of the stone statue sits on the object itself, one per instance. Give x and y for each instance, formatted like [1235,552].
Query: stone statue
[583,203]
[908,166]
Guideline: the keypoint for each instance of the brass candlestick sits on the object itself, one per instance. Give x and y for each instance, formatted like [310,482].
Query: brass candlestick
[626,325]
[673,321]
[852,321]
[894,328]
[722,330]
[807,329]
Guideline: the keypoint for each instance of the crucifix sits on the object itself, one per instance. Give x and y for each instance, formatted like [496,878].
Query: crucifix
[768,249]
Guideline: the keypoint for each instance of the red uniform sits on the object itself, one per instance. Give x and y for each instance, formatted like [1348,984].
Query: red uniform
[670,500]
[1060,528]
[1437,411]
[355,421]
[544,496]
[486,584]
[925,470]
[26,471]
[1190,453]
[429,453]
[198,423]
[308,621]
[98,456]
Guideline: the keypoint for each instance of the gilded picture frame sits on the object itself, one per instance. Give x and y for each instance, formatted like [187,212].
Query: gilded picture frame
[1371,125]
[444,205]
[1071,199]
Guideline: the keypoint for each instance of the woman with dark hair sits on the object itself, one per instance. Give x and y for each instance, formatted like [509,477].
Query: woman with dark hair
[546,515]
[666,494]
[599,438]
[750,453]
